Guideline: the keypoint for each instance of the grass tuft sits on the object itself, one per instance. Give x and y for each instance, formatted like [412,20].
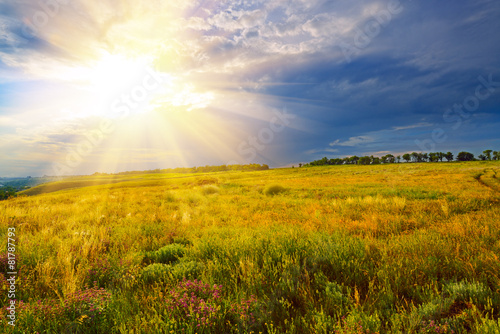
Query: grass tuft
[274,189]
[210,189]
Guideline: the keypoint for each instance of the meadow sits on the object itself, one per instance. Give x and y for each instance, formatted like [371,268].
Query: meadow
[396,248]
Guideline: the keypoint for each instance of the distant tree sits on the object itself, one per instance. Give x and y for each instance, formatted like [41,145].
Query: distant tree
[496,155]
[415,156]
[300,165]
[388,159]
[365,160]
[433,157]
[424,157]
[441,156]
[407,157]
[375,160]
[354,160]
[487,154]
[465,156]
[7,192]
[481,157]
[449,156]
[398,158]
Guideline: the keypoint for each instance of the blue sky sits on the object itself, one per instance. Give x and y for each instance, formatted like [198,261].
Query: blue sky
[122,85]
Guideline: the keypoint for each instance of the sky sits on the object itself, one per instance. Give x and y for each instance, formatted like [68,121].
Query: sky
[120,85]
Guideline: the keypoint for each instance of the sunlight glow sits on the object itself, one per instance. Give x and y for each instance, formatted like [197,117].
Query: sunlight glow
[115,71]
[185,97]
[115,82]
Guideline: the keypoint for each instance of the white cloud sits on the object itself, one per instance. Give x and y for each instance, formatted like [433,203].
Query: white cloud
[353,141]
[322,150]
[328,25]
[413,126]
[9,121]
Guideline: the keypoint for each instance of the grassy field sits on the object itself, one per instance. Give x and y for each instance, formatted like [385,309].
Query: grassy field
[401,248]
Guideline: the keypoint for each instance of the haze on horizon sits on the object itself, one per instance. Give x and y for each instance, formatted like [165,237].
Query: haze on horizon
[121,85]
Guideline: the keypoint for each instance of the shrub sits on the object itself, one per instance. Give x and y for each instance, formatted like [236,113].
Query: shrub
[210,189]
[435,309]
[160,271]
[166,254]
[188,269]
[274,190]
[335,298]
[465,291]
[194,199]
[170,197]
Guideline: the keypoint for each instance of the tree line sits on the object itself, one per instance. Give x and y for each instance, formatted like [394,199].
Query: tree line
[407,157]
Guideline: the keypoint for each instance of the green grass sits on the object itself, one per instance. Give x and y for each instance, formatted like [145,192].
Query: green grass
[404,248]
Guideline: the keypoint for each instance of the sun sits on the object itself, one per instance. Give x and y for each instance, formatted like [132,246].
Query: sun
[116,82]
[113,72]
[116,79]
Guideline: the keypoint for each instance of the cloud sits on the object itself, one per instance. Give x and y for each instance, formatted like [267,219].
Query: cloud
[321,150]
[10,122]
[353,141]
[412,126]
[379,153]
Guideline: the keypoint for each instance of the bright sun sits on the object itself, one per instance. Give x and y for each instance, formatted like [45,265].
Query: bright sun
[115,79]
[115,71]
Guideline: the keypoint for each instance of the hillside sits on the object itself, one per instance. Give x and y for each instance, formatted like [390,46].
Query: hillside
[118,181]
[347,249]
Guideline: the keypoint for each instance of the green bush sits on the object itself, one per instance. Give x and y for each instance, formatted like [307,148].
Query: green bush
[160,271]
[187,269]
[434,309]
[170,197]
[465,291]
[166,254]
[274,189]
[335,298]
